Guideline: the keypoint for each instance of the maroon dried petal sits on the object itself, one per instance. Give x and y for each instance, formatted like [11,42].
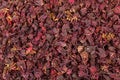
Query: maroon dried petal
[89,31]
[61,50]
[117,10]
[1,57]
[39,2]
[102,6]
[116,27]
[60,77]
[38,73]
[71,1]
[25,75]
[64,49]
[114,76]
[83,11]
[102,53]
[21,65]
[90,39]
[53,73]
[29,65]
[3,12]
[93,69]
[100,1]
[81,74]
[62,44]
[107,77]
[95,76]
[69,71]
[87,4]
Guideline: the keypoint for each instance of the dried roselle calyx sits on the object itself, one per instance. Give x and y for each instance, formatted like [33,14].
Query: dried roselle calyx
[59,39]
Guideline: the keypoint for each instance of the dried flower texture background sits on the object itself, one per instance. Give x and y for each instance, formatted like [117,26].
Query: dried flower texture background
[59,39]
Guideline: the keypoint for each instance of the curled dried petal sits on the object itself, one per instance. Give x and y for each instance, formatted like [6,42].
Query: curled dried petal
[80,48]
[84,55]
[117,10]
[71,1]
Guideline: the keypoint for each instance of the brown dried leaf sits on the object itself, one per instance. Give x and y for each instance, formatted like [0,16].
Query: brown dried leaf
[84,55]
[30,51]
[80,48]
[105,68]
[13,49]
[9,19]
[53,17]
[108,36]
[9,67]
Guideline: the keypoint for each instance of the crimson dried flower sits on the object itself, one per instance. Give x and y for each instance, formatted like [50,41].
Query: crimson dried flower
[30,51]
[71,1]
[93,69]
[117,10]
[59,39]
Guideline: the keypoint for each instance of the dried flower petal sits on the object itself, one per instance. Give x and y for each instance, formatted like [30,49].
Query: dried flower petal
[93,69]
[117,10]
[9,19]
[84,55]
[30,51]
[80,48]
[71,1]
[108,36]
[3,12]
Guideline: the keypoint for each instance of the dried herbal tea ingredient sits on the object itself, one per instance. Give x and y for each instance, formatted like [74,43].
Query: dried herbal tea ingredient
[59,39]
[80,48]
[108,36]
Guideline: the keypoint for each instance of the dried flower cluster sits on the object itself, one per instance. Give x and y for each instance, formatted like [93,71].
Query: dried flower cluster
[59,39]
